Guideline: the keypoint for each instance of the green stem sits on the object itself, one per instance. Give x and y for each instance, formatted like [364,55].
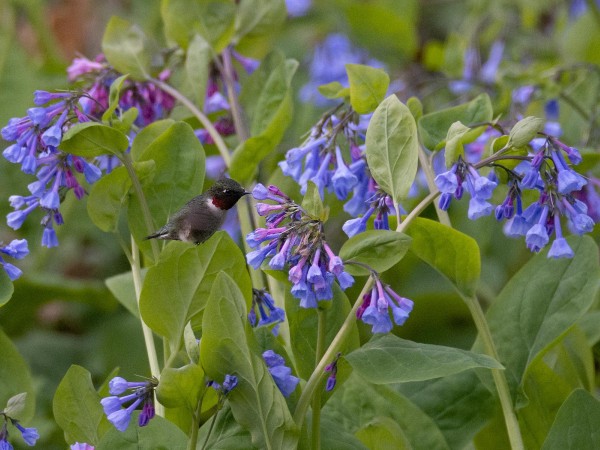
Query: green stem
[417,210]
[591,4]
[319,373]
[430,177]
[316,403]
[510,419]
[136,271]
[212,424]
[205,121]
[241,126]
[193,441]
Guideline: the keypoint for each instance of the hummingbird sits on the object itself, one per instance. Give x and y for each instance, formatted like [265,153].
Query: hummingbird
[199,218]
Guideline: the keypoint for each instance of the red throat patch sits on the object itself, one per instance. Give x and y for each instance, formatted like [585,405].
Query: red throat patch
[219,203]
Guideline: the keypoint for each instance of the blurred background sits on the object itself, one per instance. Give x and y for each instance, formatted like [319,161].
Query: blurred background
[444,52]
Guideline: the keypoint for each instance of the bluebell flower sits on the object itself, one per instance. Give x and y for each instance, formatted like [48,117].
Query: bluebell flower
[282,375]
[267,311]
[560,248]
[229,383]
[297,8]
[17,249]
[472,72]
[30,435]
[81,446]
[376,306]
[142,393]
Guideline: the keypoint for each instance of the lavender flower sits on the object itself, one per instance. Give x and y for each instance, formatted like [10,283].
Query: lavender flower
[299,243]
[267,311]
[81,446]
[377,305]
[30,435]
[17,249]
[229,383]
[282,375]
[141,393]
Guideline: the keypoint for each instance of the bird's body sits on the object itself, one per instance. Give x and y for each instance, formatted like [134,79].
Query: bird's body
[203,215]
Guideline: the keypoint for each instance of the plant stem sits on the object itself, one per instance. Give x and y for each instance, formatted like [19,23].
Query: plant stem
[429,176]
[402,226]
[206,123]
[241,126]
[510,419]
[212,424]
[316,403]
[136,271]
[193,441]
[319,373]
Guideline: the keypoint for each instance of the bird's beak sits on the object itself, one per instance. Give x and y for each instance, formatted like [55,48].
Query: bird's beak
[247,193]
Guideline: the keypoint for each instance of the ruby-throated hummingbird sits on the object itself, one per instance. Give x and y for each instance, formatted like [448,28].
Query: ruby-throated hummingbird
[202,215]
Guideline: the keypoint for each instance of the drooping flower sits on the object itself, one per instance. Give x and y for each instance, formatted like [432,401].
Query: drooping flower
[282,374]
[30,435]
[299,243]
[379,303]
[81,446]
[267,311]
[17,249]
[332,369]
[142,393]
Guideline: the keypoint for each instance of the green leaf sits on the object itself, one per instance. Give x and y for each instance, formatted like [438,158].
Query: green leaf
[383,433]
[524,131]
[389,359]
[393,148]
[6,288]
[197,65]
[212,19]
[378,249]
[107,197]
[179,176]
[182,386]
[539,304]
[257,17]
[122,287]
[113,97]
[335,437]
[226,434]
[15,406]
[147,136]
[303,326]
[76,407]
[433,127]
[334,90]
[267,100]
[581,40]
[228,347]
[126,48]
[452,253]
[576,424]
[312,203]
[358,402]
[454,144]
[91,139]
[159,434]
[368,87]
[176,289]
[15,377]
[416,107]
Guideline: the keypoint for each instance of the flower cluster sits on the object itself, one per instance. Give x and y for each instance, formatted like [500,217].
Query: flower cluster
[30,435]
[376,306]
[545,171]
[16,249]
[282,374]
[142,393]
[300,243]
[267,311]
[381,206]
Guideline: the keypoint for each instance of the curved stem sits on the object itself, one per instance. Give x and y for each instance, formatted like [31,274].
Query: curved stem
[510,419]
[429,176]
[417,210]
[319,373]
[206,123]
[316,403]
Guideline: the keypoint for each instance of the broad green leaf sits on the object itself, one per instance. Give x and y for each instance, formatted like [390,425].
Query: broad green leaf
[312,203]
[15,377]
[524,131]
[378,249]
[182,386]
[212,19]
[567,366]
[76,407]
[6,288]
[303,327]
[383,433]
[15,406]
[433,127]
[458,404]
[335,437]
[197,65]
[107,197]
[539,304]
[91,139]
[267,100]
[368,87]
[576,424]
[226,434]
[228,347]
[416,107]
[452,253]
[257,17]
[393,147]
[159,434]
[125,121]
[113,97]
[126,48]
[179,176]
[389,359]
[454,144]
[147,136]
[122,287]
[176,289]
[334,90]
[358,402]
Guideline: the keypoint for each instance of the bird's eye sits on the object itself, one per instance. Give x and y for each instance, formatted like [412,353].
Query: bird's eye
[225,191]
